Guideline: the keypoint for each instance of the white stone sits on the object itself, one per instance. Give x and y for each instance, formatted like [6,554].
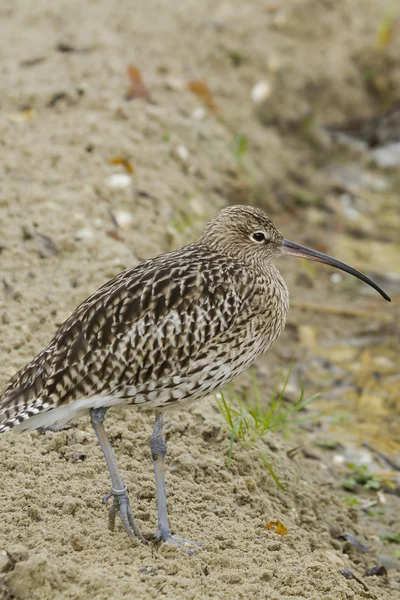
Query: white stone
[119,181]
[198,114]
[123,219]
[336,278]
[175,84]
[388,156]
[182,153]
[84,235]
[381,497]
[261,91]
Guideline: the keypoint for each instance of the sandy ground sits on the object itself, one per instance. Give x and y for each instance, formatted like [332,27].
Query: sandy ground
[64,120]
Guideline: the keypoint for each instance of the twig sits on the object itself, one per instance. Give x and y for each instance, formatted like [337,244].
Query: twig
[384,457]
[342,311]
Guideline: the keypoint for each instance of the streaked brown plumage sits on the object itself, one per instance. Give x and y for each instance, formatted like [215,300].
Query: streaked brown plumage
[172,329]
[168,318]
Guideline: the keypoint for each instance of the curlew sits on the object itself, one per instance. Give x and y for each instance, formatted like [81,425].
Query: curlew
[169,331]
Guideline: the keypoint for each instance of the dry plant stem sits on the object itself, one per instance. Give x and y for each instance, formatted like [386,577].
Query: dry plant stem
[334,310]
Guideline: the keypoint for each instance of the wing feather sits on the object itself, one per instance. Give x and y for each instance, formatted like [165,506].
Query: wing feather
[147,321]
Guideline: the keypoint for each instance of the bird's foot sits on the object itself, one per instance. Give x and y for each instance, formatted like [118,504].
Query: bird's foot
[178,542]
[121,504]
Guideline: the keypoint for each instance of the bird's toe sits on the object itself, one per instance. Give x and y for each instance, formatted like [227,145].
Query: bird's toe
[121,504]
[188,545]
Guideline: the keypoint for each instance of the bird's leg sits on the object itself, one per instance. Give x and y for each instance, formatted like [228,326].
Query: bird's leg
[158,449]
[118,488]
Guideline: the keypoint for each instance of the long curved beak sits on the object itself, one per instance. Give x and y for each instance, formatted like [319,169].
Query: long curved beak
[303,252]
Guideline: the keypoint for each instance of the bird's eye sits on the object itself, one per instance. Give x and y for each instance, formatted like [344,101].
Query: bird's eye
[258,236]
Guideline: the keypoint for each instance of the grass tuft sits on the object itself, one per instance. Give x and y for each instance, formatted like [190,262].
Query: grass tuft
[248,425]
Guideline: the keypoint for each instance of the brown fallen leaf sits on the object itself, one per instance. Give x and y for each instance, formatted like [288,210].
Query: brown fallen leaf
[280,529]
[114,234]
[137,88]
[200,89]
[120,160]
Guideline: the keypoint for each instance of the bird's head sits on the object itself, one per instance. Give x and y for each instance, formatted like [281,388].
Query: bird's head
[244,232]
[248,234]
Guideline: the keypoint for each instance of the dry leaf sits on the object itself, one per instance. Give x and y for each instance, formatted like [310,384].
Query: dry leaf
[280,529]
[201,90]
[114,234]
[137,88]
[22,116]
[119,160]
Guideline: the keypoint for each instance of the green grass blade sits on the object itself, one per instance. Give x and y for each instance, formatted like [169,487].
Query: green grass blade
[232,439]
[272,473]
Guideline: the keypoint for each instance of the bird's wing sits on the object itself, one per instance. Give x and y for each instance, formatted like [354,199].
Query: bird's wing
[155,316]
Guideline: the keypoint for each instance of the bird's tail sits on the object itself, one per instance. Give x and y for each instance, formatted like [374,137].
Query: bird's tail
[18,405]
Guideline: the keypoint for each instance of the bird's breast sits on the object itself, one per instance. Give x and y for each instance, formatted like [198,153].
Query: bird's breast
[264,312]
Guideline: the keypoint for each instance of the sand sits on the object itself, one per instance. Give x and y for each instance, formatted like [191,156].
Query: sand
[64,120]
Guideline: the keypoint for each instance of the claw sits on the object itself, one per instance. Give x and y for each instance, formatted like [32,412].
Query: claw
[178,542]
[121,504]
[112,511]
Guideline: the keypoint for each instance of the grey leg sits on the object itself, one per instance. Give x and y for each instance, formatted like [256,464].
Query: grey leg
[118,489]
[158,449]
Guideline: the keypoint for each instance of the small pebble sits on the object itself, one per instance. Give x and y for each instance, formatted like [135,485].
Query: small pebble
[336,278]
[84,235]
[381,497]
[388,156]
[119,181]
[175,84]
[198,114]
[122,219]
[260,92]
[182,153]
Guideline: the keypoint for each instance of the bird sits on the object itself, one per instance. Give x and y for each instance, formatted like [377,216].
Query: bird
[167,332]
